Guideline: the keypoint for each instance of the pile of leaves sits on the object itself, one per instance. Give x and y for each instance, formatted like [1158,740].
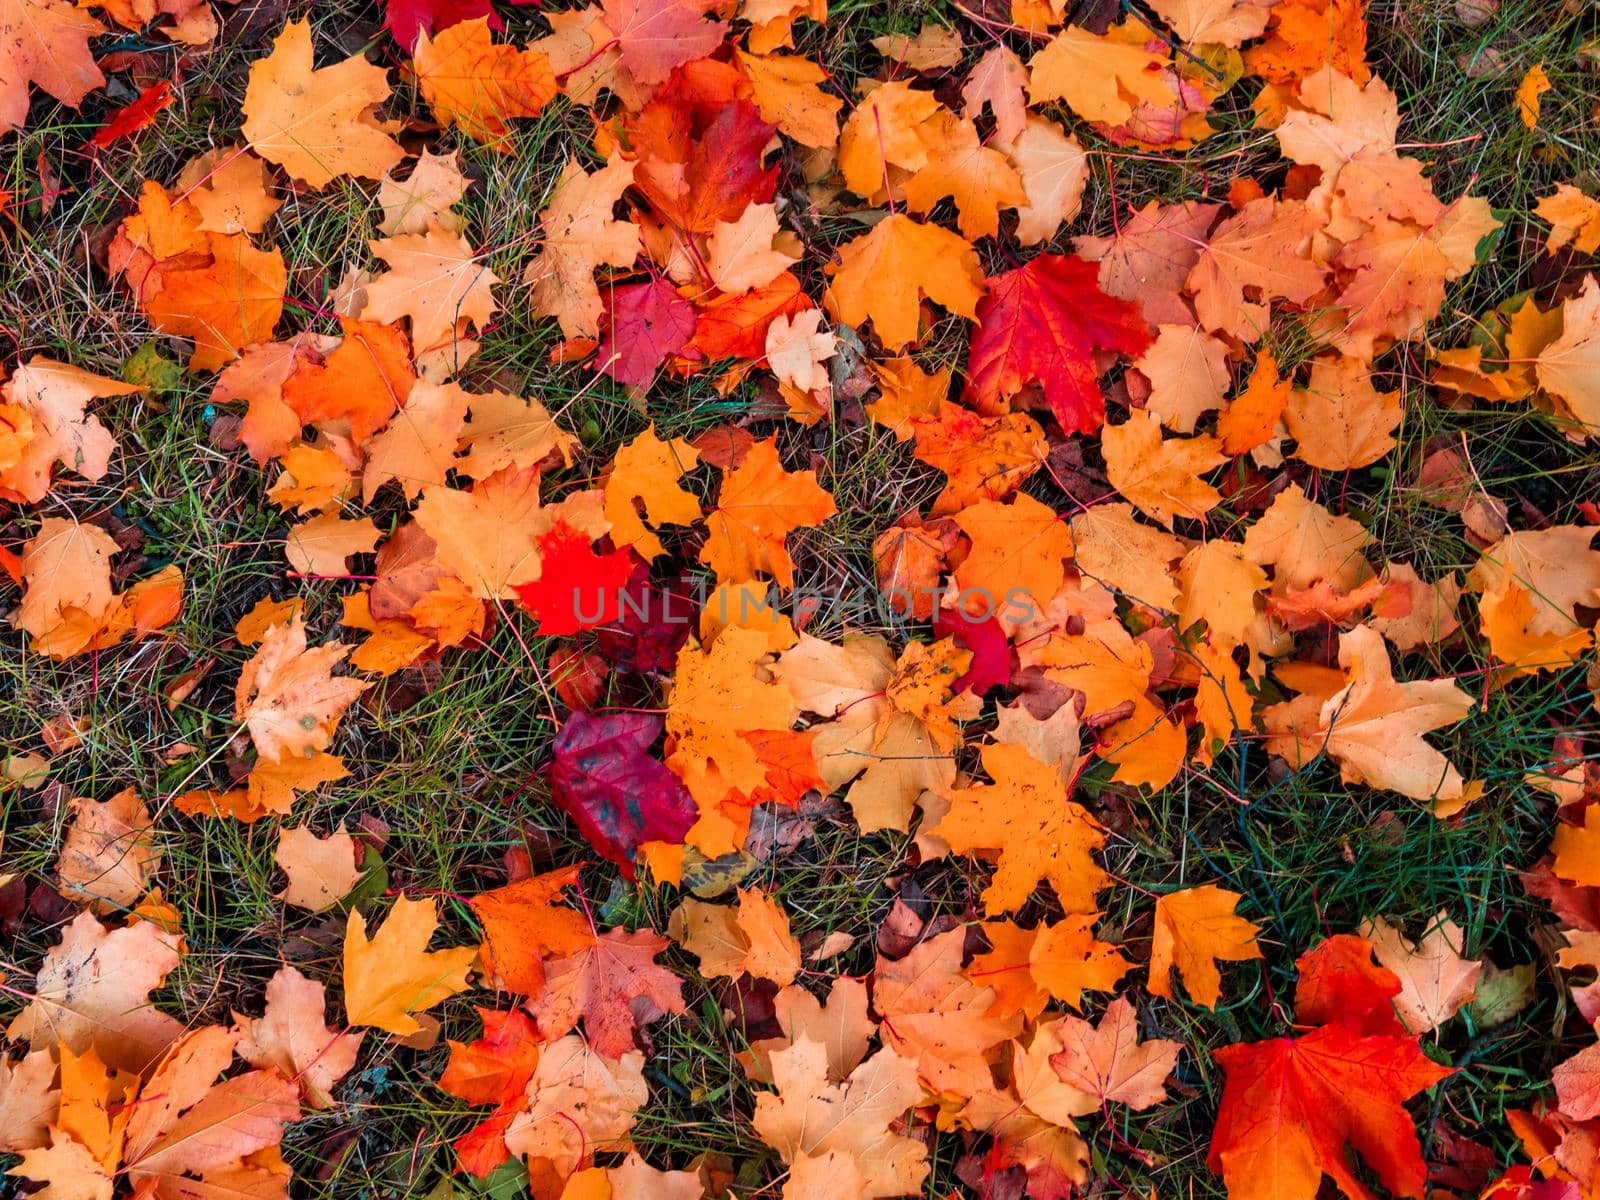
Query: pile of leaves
[1126,561]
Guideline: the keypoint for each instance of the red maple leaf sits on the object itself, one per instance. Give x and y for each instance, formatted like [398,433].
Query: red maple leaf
[986,639]
[655,36]
[1042,323]
[496,1067]
[736,326]
[700,146]
[1341,984]
[577,588]
[603,776]
[135,116]
[405,19]
[643,323]
[1292,1108]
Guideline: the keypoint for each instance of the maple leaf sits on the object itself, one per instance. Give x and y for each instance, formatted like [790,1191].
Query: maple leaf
[645,475]
[977,177]
[405,19]
[752,939]
[140,114]
[798,351]
[1574,220]
[579,1103]
[488,537]
[997,81]
[1577,1084]
[614,985]
[187,1125]
[30,1101]
[66,572]
[1340,984]
[740,254]
[1435,980]
[841,1026]
[287,695]
[810,1117]
[882,275]
[322,546]
[480,86]
[1025,818]
[506,432]
[1219,586]
[427,196]
[1188,373]
[1431,616]
[1109,1062]
[1194,928]
[1577,850]
[1043,323]
[1530,92]
[1216,22]
[231,190]
[701,163]
[602,776]
[1161,475]
[1256,248]
[785,90]
[109,854]
[393,974]
[758,505]
[317,124]
[417,447]
[717,698]
[1251,418]
[938,1017]
[521,924]
[93,990]
[232,302]
[655,36]
[1100,78]
[1149,256]
[982,456]
[436,280]
[577,587]
[931,48]
[1565,367]
[736,326]
[644,324]
[495,1068]
[1373,727]
[893,752]
[580,235]
[257,378]
[1305,35]
[884,131]
[1066,959]
[1303,543]
[45,43]
[1291,1107]
[321,871]
[293,1037]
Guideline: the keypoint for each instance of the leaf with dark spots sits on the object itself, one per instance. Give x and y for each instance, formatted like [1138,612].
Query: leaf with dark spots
[603,777]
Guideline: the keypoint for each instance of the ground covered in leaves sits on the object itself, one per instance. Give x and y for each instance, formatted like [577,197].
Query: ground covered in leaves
[689,599]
